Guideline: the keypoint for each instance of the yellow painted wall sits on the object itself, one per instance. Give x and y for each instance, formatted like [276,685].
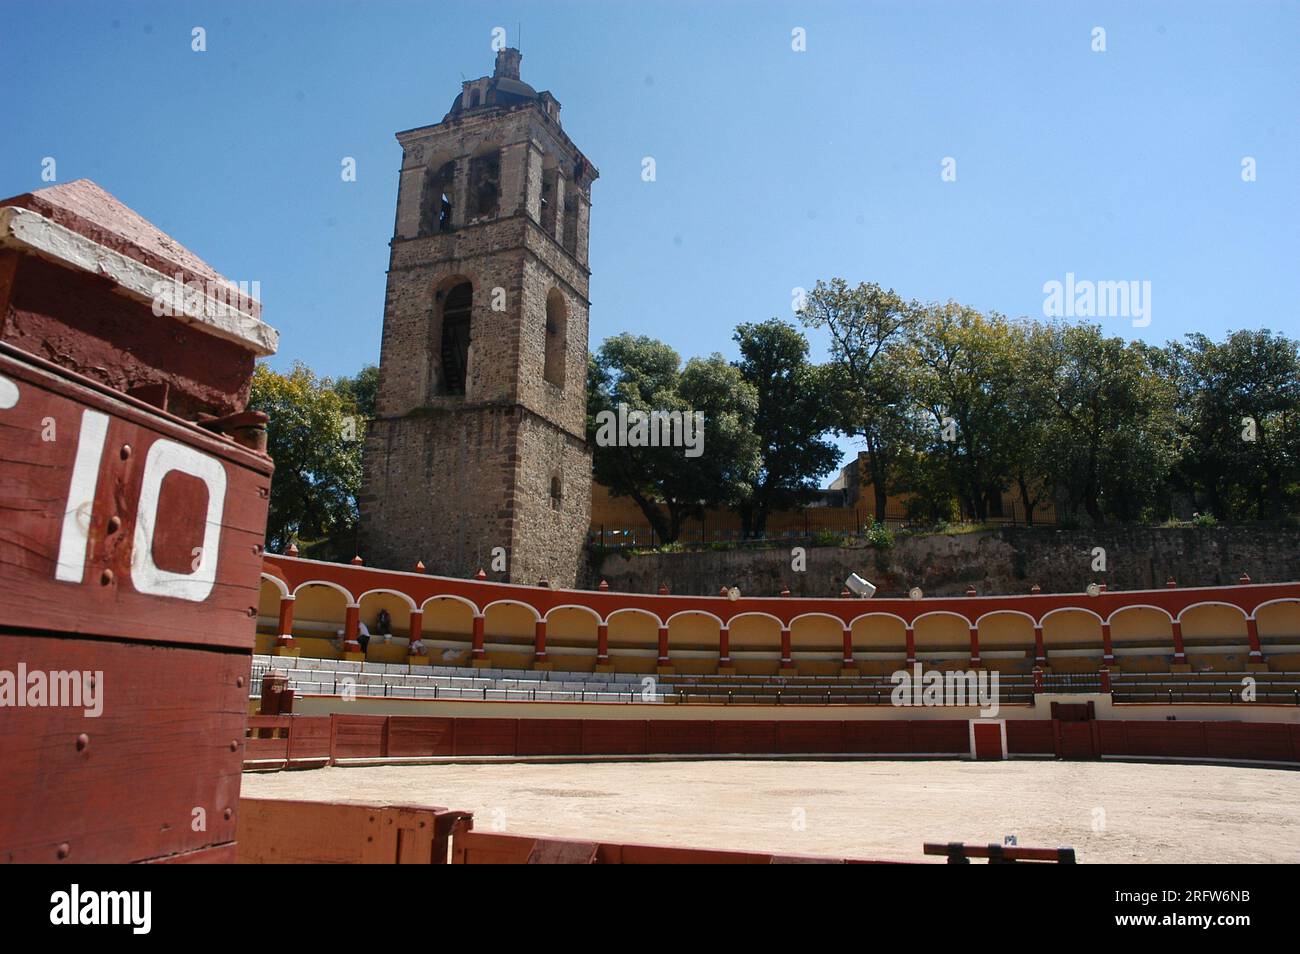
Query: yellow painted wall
[818,633]
[749,631]
[632,628]
[693,631]
[1141,626]
[1214,624]
[942,633]
[1072,629]
[1006,631]
[878,633]
[1280,621]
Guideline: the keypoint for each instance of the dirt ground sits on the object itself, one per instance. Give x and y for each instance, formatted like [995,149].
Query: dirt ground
[1108,811]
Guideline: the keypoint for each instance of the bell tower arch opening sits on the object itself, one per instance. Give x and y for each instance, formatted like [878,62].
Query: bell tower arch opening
[457,310]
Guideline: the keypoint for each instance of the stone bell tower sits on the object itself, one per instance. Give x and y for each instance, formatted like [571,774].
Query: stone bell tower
[479,440]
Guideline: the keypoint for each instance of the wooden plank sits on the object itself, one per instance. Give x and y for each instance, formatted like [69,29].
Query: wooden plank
[129,784]
[485,736]
[164,538]
[549,737]
[412,736]
[613,736]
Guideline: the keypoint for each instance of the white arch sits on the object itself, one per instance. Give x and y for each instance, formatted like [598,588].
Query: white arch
[1233,606]
[716,619]
[528,606]
[1283,599]
[333,586]
[279,584]
[964,619]
[854,622]
[829,616]
[1006,612]
[1124,609]
[473,607]
[775,619]
[576,606]
[635,609]
[1070,609]
[410,603]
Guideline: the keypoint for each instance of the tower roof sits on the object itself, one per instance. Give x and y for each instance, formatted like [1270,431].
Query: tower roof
[503,88]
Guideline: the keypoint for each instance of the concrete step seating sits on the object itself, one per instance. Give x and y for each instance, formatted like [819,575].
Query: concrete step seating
[395,680]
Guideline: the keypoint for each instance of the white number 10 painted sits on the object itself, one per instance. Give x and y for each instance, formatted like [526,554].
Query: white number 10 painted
[164,457]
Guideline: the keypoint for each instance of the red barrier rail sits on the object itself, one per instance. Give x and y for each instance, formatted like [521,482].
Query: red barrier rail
[301,741]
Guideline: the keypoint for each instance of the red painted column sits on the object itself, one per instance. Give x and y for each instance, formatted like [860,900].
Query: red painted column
[1179,655]
[417,633]
[911,646]
[539,641]
[476,646]
[284,636]
[974,646]
[1040,649]
[663,645]
[786,661]
[351,627]
[848,647]
[1107,651]
[1252,631]
[602,642]
[724,646]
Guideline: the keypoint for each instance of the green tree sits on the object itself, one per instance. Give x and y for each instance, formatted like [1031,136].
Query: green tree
[1113,422]
[869,328]
[315,440]
[667,483]
[792,416]
[965,372]
[1239,421]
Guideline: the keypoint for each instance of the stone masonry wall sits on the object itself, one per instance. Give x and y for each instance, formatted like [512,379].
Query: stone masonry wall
[997,562]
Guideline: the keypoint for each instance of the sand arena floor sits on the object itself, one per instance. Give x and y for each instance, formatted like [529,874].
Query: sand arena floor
[1108,811]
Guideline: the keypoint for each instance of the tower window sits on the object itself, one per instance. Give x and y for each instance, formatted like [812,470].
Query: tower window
[435,211]
[556,493]
[557,322]
[485,183]
[570,220]
[549,178]
[455,337]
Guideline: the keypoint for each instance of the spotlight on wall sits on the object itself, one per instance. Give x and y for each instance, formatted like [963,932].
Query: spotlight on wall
[1093,589]
[861,587]
[915,593]
[733,593]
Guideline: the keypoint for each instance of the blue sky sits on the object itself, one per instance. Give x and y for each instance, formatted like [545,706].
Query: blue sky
[774,167]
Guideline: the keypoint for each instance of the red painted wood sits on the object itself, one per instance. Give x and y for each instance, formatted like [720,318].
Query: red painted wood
[988,740]
[815,738]
[412,736]
[744,738]
[613,737]
[486,736]
[876,737]
[680,737]
[309,738]
[1076,740]
[1030,737]
[940,735]
[549,737]
[170,740]
[35,475]
[1248,740]
[359,736]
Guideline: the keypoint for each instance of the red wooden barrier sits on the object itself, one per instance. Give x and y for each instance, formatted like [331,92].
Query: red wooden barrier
[673,737]
[486,737]
[414,736]
[357,736]
[614,737]
[1030,737]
